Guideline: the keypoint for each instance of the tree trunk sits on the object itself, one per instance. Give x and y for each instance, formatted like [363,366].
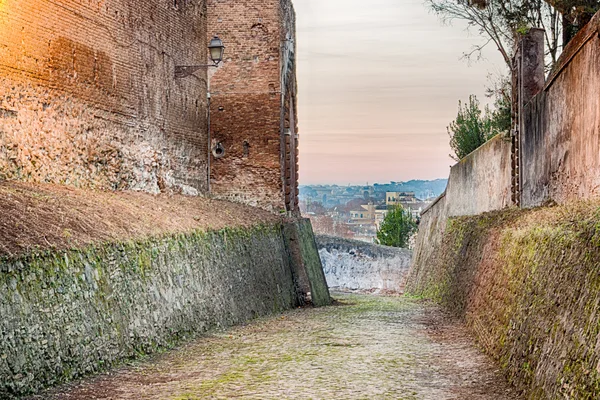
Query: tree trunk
[569,29]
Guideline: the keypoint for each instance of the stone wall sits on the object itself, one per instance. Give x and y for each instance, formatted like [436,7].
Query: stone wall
[560,137]
[527,284]
[307,266]
[89,96]
[353,265]
[66,314]
[253,112]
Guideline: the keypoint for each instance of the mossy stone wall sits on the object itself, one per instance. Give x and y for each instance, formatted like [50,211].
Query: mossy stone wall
[306,263]
[67,314]
[528,285]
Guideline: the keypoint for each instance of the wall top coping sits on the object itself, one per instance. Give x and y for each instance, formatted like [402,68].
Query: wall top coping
[429,207]
[575,45]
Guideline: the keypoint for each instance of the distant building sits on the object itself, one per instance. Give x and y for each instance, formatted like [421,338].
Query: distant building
[367,191]
[408,201]
[400,198]
[416,208]
[323,194]
[380,213]
[366,215]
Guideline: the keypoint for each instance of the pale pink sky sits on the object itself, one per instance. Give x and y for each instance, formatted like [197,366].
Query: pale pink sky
[379,81]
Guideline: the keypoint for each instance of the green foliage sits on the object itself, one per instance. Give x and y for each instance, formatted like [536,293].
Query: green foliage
[397,228]
[501,91]
[472,127]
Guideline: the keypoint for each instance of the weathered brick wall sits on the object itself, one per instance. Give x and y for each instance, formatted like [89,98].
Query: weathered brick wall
[289,110]
[88,97]
[248,97]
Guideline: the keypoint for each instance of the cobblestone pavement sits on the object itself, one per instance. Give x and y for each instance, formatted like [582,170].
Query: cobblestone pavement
[365,347]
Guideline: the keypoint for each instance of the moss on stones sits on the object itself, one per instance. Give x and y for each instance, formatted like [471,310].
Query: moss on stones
[528,284]
[65,314]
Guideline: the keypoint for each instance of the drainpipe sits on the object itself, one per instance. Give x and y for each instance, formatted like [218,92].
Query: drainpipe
[209,139]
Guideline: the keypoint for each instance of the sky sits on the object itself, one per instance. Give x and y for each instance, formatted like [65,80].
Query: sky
[379,82]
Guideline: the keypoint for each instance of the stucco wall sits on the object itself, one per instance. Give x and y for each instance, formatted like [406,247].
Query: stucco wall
[65,314]
[88,95]
[479,183]
[355,265]
[560,138]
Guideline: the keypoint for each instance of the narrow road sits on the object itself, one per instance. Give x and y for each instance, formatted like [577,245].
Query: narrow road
[365,347]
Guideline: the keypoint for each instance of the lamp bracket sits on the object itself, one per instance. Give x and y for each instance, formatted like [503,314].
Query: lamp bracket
[183,71]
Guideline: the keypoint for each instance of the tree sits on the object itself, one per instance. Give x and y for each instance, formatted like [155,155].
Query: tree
[502,21]
[501,91]
[575,13]
[472,127]
[397,228]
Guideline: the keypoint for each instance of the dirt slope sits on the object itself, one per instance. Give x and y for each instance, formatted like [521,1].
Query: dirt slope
[49,216]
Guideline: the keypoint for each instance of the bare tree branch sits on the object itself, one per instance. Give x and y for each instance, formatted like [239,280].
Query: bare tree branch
[502,22]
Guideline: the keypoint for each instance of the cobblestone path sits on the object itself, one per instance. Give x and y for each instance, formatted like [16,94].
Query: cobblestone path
[365,347]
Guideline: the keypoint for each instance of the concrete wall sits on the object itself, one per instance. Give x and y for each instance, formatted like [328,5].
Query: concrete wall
[89,97]
[66,314]
[429,239]
[354,265]
[253,102]
[560,138]
[481,181]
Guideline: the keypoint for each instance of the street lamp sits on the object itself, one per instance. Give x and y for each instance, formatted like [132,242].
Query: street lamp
[216,49]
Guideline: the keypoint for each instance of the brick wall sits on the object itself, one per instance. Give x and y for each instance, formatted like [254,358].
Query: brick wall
[88,97]
[252,94]
[289,121]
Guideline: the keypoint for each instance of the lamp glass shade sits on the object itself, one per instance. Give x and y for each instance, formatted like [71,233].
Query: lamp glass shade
[216,49]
